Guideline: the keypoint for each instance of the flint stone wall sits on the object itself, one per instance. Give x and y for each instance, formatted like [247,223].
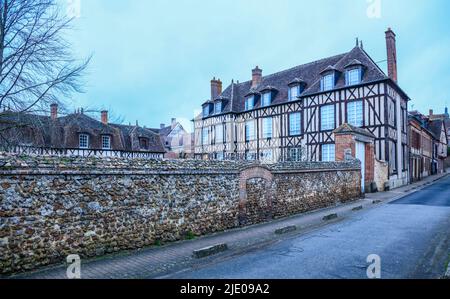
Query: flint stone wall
[51,207]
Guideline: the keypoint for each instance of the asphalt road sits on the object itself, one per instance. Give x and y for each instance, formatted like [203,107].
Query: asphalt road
[411,236]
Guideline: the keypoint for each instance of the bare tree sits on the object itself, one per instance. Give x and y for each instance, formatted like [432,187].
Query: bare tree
[36,62]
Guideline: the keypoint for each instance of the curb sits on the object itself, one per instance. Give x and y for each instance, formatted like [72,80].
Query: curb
[447,274]
[210,250]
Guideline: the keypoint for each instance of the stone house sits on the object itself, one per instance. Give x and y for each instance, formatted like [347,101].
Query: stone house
[178,142]
[77,132]
[291,115]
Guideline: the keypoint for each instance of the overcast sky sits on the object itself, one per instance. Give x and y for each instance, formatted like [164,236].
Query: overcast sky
[153,59]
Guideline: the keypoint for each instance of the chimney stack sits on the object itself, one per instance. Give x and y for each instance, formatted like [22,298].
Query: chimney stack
[256,77]
[104,117]
[216,88]
[162,126]
[54,111]
[174,123]
[391,54]
[431,112]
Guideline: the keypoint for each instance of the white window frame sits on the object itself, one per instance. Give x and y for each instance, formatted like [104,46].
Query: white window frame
[267,155]
[205,136]
[328,153]
[266,99]
[250,130]
[328,82]
[206,111]
[218,105]
[250,155]
[294,92]
[327,117]
[355,113]
[248,101]
[83,141]
[295,124]
[219,133]
[295,154]
[267,124]
[353,76]
[106,142]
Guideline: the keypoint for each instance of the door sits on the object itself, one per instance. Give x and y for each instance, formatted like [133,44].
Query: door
[361,156]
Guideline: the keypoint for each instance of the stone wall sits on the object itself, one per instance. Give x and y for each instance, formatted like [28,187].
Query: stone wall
[51,207]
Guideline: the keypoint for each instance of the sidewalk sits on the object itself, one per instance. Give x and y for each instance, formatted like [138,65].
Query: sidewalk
[159,261]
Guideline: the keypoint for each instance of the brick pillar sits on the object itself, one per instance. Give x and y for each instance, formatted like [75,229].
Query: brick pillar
[345,144]
[370,166]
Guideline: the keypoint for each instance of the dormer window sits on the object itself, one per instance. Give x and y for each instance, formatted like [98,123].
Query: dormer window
[218,107]
[294,92]
[327,82]
[353,76]
[250,103]
[206,111]
[266,99]
[143,143]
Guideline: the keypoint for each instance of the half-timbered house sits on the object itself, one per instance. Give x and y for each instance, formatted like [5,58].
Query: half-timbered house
[292,114]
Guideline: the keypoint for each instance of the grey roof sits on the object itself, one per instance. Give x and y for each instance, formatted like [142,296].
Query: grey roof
[309,73]
[155,144]
[347,128]
[435,126]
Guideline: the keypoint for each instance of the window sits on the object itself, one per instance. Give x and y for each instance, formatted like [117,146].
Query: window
[250,155]
[328,153]
[206,111]
[84,141]
[295,124]
[219,156]
[218,107]
[266,99]
[294,92]
[267,127]
[327,118]
[249,103]
[327,82]
[267,155]
[355,113]
[143,143]
[219,133]
[250,130]
[205,136]
[353,76]
[295,154]
[106,142]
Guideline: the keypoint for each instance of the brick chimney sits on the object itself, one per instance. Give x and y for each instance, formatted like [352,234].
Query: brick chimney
[391,54]
[256,76]
[54,111]
[216,88]
[104,114]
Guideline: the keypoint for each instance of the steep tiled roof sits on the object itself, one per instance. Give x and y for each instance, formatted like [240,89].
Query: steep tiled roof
[435,126]
[309,73]
[347,128]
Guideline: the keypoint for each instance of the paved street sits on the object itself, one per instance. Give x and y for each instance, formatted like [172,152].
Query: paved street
[411,236]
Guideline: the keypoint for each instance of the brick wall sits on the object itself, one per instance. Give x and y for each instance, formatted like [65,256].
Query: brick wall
[51,207]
